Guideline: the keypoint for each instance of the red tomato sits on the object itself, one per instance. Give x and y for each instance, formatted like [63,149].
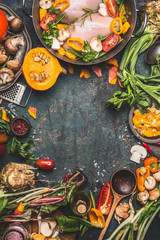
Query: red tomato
[46,19]
[46,164]
[2,149]
[112,8]
[105,199]
[3,25]
[110,42]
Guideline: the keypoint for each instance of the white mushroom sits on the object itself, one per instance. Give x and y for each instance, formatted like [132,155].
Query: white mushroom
[45,4]
[64,34]
[142,197]
[55,44]
[121,211]
[3,59]
[138,152]
[102,10]
[6,75]
[96,45]
[154,194]
[157,176]
[150,183]
[14,65]
[47,228]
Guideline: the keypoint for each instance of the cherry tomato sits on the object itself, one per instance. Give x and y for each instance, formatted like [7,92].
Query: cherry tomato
[112,8]
[46,19]
[3,25]
[110,42]
[2,149]
[46,164]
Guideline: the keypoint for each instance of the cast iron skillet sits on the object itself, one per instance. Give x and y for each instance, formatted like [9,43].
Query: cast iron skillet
[130,6]
[10,12]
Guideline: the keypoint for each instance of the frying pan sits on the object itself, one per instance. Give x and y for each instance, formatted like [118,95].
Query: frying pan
[130,7]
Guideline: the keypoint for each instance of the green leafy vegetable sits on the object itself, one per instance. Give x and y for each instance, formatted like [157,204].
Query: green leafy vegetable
[87,13]
[68,224]
[54,10]
[93,200]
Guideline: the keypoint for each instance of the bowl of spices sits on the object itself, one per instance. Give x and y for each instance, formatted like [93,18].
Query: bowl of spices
[81,203]
[20,126]
[15,231]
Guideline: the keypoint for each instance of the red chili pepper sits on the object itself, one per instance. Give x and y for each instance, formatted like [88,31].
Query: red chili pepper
[105,199]
[46,164]
[147,147]
[2,149]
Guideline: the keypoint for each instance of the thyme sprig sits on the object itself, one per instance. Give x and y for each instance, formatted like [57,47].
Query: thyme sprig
[87,13]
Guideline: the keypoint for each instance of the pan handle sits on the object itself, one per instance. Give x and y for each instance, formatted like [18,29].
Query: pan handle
[24,10]
[144,24]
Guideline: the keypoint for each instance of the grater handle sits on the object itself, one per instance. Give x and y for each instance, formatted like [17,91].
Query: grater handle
[24,10]
[27,99]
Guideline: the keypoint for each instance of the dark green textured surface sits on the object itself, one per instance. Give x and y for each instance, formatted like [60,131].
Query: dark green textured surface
[74,127]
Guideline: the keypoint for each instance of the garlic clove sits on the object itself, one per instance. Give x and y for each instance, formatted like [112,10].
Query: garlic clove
[96,45]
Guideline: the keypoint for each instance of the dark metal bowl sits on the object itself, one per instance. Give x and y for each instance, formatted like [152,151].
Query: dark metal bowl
[130,7]
[27,123]
[10,12]
[136,133]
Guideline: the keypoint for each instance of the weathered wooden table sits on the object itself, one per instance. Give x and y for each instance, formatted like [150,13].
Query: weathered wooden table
[74,128]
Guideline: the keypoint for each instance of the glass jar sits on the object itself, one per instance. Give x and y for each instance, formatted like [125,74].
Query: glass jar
[15,231]
[81,203]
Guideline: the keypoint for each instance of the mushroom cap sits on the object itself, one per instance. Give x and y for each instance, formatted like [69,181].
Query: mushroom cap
[10,47]
[138,148]
[154,194]
[6,75]
[96,45]
[45,4]
[142,197]
[150,183]
[157,176]
[16,24]
[122,210]
[2,50]
[14,65]
[3,58]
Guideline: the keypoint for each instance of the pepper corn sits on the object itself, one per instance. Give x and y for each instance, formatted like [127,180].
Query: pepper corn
[65,5]
[75,43]
[142,173]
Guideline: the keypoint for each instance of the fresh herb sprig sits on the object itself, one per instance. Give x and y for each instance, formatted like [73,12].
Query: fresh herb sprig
[87,13]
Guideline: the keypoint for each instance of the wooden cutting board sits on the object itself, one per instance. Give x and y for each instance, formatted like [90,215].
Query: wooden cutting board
[33,228]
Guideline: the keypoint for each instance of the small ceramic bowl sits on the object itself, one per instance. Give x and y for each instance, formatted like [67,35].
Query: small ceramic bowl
[20,126]
[136,133]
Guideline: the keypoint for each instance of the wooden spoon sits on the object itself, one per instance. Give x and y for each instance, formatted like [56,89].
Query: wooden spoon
[123,184]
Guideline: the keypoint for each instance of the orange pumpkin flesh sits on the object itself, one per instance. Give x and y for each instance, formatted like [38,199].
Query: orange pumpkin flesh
[3,25]
[52,69]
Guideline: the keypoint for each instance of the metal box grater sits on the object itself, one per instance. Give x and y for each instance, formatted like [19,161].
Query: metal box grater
[18,94]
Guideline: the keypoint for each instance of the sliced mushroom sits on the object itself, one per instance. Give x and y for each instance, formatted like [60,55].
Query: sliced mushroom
[157,176]
[138,152]
[64,34]
[45,4]
[154,194]
[142,197]
[16,24]
[121,211]
[6,75]
[16,46]
[102,10]
[14,65]
[55,44]
[3,59]
[47,228]
[150,183]
[96,45]
[2,50]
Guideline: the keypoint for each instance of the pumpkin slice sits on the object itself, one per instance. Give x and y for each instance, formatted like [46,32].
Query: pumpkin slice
[41,69]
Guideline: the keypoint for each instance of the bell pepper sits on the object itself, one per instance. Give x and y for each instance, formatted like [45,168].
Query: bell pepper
[105,199]
[112,61]
[62,51]
[142,173]
[20,209]
[4,116]
[42,13]
[122,14]
[38,237]
[60,26]
[116,25]
[152,164]
[96,218]
[64,4]
[75,43]
[70,55]
[125,27]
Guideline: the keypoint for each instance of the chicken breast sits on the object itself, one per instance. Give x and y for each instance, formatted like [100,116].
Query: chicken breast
[76,6]
[93,26]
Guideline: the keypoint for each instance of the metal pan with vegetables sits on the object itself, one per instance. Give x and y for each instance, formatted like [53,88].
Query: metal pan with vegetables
[84,32]
[14,44]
